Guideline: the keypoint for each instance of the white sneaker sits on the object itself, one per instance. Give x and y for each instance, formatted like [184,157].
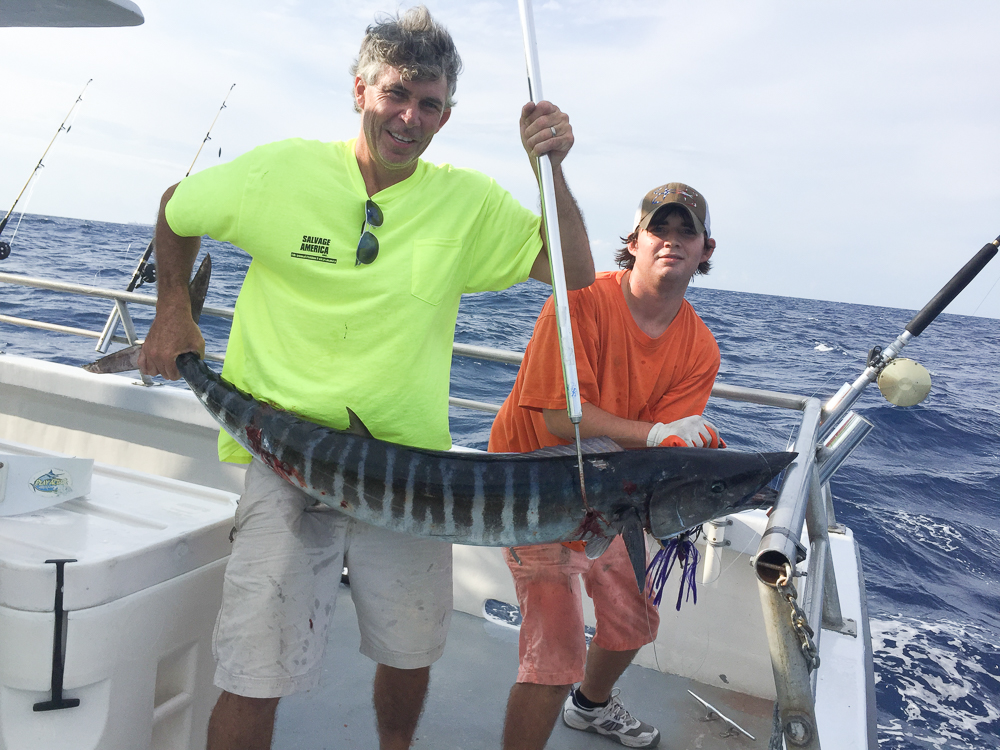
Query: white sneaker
[613,721]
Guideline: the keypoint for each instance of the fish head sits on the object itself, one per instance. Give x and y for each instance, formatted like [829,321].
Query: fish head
[705,483]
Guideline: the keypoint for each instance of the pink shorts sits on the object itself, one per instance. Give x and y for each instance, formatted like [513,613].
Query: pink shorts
[553,650]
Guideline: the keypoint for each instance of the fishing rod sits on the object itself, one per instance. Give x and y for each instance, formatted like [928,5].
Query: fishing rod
[564,325]
[208,135]
[145,271]
[4,246]
[901,381]
[912,386]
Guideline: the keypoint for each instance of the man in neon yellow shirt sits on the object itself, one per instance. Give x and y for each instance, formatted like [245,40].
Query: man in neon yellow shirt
[327,321]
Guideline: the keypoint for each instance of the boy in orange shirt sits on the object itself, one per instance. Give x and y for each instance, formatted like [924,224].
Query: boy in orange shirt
[646,365]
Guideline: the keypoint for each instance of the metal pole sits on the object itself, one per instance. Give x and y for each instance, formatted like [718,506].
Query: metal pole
[779,552]
[792,682]
[780,543]
[564,324]
[104,342]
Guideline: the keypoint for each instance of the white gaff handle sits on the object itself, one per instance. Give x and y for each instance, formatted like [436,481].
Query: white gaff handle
[550,221]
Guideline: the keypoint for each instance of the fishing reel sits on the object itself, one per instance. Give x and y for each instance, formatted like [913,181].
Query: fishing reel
[4,250]
[902,381]
[148,273]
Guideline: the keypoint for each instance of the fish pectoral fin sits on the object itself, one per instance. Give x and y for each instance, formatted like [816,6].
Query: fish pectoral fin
[598,546]
[635,543]
[355,426]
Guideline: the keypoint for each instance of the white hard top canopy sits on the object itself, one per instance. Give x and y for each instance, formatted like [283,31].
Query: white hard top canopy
[68,13]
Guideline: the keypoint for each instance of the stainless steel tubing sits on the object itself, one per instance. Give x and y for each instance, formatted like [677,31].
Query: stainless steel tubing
[831,515]
[794,683]
[796,707]
[780,541]
[842,441]
[465,403]
[822,599]
[758,396]
[776,555]
[110,325]
[38,325]
[485,352]
[94,291]
[833,618]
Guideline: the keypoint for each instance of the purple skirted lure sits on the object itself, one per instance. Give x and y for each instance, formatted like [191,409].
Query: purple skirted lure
[681,549]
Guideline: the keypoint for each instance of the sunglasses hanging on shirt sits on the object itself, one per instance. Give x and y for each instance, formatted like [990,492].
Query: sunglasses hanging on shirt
[368,244]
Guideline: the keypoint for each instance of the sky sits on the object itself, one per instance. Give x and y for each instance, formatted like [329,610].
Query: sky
[848,150]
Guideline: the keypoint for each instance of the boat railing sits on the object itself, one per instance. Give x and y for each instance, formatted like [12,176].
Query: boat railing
[804,501]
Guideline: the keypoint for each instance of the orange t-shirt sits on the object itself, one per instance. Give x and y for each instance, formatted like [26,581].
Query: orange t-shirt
[621,370]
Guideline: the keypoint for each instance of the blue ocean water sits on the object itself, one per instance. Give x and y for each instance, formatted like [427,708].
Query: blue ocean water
[921,493]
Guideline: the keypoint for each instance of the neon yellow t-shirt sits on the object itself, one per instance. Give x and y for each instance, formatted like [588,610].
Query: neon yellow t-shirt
[314,333]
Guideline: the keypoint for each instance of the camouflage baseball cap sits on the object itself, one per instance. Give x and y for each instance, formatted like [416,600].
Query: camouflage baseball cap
[675,192]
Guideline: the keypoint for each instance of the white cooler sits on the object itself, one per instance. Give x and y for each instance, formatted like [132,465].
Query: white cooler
[140,602]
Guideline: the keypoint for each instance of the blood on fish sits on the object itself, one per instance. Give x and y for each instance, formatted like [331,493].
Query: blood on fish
[282,468]
[629,486]
[593,523]
[253,435]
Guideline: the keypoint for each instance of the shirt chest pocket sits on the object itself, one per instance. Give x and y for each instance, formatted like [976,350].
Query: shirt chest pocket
[438,270]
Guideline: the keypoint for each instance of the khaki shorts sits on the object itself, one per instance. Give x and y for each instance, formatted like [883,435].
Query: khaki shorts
[552,646]
[281,588]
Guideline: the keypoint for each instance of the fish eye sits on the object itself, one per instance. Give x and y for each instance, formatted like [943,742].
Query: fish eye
[718,486]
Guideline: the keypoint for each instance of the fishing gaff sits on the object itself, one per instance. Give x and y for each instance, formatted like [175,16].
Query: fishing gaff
[550,222]
[62,126]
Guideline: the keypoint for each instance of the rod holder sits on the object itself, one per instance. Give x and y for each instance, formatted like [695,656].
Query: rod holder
[842,441]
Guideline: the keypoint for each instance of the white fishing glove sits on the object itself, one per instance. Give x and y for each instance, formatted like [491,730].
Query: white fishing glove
[693,431]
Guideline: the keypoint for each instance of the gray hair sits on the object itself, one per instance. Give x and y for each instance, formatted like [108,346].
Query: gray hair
[415,44]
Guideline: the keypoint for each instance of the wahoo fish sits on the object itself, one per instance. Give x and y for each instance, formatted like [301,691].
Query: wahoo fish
[484,499]
[493,499]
